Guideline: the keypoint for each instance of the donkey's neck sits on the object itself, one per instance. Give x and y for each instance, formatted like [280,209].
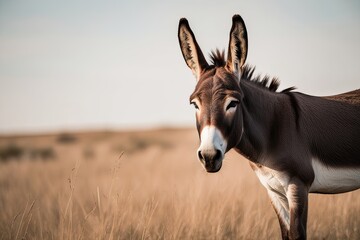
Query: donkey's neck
[260,110]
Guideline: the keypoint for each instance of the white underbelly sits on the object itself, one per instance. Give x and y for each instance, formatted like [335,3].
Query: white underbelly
[334,180]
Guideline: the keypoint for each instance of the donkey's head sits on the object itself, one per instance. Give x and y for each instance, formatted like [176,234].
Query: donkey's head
[217,95]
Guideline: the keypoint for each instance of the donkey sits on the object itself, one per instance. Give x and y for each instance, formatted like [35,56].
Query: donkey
[297,144]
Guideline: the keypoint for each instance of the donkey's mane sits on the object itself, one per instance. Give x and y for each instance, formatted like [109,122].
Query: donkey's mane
[217,58]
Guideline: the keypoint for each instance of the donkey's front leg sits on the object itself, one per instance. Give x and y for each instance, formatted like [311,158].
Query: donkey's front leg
[297,194]
[281,206]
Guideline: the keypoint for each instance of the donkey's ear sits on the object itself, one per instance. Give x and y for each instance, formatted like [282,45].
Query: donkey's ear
[190,49]
[238,46]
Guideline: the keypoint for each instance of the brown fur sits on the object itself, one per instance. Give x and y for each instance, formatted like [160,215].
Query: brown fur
[279,132]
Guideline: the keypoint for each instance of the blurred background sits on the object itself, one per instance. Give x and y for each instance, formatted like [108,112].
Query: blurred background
[97,137]
[117,64]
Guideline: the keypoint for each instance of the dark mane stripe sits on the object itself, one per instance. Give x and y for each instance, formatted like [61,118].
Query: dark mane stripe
[266,82]
[217,59]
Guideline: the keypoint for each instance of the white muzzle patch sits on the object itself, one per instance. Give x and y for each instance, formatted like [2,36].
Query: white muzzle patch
[212,140]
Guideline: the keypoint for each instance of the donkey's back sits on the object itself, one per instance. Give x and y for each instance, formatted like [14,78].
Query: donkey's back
[352,97]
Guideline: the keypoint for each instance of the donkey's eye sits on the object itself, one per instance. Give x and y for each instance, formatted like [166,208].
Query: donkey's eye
[232,104]
[195,105]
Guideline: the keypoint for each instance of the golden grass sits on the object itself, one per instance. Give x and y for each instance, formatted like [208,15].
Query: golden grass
[156,189]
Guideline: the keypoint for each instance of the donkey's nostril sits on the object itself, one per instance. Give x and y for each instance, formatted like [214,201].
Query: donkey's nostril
[201,157]
[209,156]
[218,155]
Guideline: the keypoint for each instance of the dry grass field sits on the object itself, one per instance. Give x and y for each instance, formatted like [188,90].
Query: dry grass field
[143,185]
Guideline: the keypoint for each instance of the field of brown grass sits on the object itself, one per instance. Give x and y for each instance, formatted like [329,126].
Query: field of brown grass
[143,185]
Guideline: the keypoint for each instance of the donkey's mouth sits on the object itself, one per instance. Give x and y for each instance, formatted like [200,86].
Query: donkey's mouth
[212,166]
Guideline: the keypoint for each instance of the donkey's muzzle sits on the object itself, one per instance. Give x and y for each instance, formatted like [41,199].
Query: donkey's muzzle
[212,148]
[212,160]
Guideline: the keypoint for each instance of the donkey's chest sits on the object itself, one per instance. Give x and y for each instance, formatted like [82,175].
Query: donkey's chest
[272,180]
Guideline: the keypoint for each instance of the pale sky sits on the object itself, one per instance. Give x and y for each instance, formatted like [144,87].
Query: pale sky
[68,65]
